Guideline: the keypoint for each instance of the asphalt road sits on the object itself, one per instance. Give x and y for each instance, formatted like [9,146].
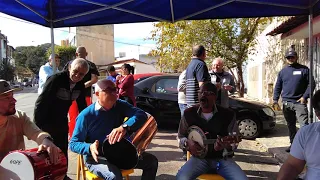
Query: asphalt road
[251,156]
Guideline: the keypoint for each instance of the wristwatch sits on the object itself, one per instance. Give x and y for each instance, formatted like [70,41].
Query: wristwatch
[126,127]
[49,138]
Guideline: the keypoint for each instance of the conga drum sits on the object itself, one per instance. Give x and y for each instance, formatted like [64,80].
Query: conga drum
[31,165]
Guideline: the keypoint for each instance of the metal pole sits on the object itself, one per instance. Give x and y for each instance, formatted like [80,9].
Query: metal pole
[311,63]
[52,49]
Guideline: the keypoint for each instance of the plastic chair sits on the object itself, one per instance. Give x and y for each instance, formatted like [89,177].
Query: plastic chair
[206,176]
[82,170]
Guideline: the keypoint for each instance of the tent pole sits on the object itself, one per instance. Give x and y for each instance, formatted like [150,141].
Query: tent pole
[52,48]
[311,62]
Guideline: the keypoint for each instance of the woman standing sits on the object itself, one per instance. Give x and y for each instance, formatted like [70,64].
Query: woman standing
[125,84]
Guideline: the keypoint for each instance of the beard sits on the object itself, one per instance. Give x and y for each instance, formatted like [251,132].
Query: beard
[9,112]
[204,103]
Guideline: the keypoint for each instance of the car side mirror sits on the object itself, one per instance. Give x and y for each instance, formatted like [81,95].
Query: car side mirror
[145,90]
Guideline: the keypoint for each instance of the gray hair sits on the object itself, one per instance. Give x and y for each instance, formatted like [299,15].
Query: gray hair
[80,62]
[218,59]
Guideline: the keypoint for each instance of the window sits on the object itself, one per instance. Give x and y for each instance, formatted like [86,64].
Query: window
[167,86]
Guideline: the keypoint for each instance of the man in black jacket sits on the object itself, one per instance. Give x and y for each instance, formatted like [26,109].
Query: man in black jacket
[52,105]
[217,123]
[294,86]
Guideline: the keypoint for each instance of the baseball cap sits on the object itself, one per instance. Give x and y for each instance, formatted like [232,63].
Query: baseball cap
[55,55]
[5,87]
[291,53]
[103,85]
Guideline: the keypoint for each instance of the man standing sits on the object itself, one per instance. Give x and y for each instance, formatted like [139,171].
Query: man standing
[223,80]
[196,74]
[217,123]
[52,105]
[46,71]
[305,149]
[182,100]
[112,74]
[294,86]
[89,79]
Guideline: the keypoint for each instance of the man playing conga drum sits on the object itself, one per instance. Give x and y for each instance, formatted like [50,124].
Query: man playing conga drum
[15,124]
[215,124]
[105,119]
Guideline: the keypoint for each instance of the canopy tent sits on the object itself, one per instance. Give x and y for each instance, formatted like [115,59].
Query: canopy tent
[70,13]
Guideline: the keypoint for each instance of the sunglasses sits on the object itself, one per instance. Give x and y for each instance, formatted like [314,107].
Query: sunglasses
[207,93]
[290,57]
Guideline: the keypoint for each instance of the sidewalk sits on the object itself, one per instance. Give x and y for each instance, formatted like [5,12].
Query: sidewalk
[277,140]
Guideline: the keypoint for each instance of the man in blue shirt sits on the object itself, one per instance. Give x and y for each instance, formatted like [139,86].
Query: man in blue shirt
[294,87]
[112,73]
[105,118]
[47,70]
[196,74]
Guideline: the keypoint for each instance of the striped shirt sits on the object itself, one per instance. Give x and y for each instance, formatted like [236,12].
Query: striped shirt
[197,71]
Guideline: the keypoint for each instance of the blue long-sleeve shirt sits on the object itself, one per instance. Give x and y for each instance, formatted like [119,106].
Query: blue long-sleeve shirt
[293,83]
[95,123]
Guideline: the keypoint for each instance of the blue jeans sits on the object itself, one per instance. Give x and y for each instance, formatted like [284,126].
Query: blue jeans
[182,107]
[195,167]
[148,163]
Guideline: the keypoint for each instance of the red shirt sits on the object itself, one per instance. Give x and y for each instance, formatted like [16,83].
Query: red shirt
[126,87]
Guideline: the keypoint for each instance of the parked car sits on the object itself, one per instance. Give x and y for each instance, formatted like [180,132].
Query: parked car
[158,96]
[142,76]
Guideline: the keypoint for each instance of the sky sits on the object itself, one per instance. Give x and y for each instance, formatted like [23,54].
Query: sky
[129,38]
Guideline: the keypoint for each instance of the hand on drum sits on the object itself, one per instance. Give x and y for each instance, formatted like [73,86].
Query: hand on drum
[94,150]
[116,135]
[193,147]
[52,150]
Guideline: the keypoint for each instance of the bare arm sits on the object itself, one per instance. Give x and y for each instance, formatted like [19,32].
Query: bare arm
[94,79]
[291,168]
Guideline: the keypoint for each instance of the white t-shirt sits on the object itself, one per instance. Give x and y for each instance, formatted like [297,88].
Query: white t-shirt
[305,146]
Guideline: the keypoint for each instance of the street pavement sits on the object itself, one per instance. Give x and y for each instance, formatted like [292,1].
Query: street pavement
[252,156]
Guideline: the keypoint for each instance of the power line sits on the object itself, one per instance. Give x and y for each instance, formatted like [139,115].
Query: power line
[27,22]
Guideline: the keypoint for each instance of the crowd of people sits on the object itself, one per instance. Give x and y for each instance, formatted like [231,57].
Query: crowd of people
[65,96]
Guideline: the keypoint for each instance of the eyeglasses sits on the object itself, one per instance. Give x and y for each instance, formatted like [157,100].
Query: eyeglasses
[290,57]
[207,93]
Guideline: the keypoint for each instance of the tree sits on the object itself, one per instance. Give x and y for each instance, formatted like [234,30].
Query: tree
[6,70]
[231,39]
[66,53]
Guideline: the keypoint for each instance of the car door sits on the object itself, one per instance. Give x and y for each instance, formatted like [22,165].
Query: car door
[164,90]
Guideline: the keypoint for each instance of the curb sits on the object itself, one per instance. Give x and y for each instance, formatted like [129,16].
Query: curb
[276,153]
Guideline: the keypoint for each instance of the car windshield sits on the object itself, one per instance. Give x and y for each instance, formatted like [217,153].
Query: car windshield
[140,79]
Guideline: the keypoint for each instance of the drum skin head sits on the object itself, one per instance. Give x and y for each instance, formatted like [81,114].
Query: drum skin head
[122,154]
[196,134]
[17,164]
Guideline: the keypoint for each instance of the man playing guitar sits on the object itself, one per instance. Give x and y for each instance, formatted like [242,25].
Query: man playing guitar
[217,125]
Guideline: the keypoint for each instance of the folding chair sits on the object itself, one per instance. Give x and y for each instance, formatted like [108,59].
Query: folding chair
[206,176]
[82,170]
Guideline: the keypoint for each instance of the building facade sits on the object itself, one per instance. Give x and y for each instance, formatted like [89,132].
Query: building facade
[98,40]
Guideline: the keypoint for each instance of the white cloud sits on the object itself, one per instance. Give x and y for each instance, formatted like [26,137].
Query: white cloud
[133,31]
[134,51]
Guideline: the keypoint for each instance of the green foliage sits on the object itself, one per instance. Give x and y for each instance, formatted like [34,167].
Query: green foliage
[6,71]
[231,39]
[66,53]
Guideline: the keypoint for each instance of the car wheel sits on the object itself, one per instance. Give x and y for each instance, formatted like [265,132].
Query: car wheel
[249,127]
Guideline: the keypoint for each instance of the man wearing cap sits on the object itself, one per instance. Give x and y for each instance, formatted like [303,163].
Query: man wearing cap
[217,123]
[105,118]
[52,105]
[47,70]
[15,124]
[293,85]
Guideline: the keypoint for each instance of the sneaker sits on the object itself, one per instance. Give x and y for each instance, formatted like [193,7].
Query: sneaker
[184,157]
